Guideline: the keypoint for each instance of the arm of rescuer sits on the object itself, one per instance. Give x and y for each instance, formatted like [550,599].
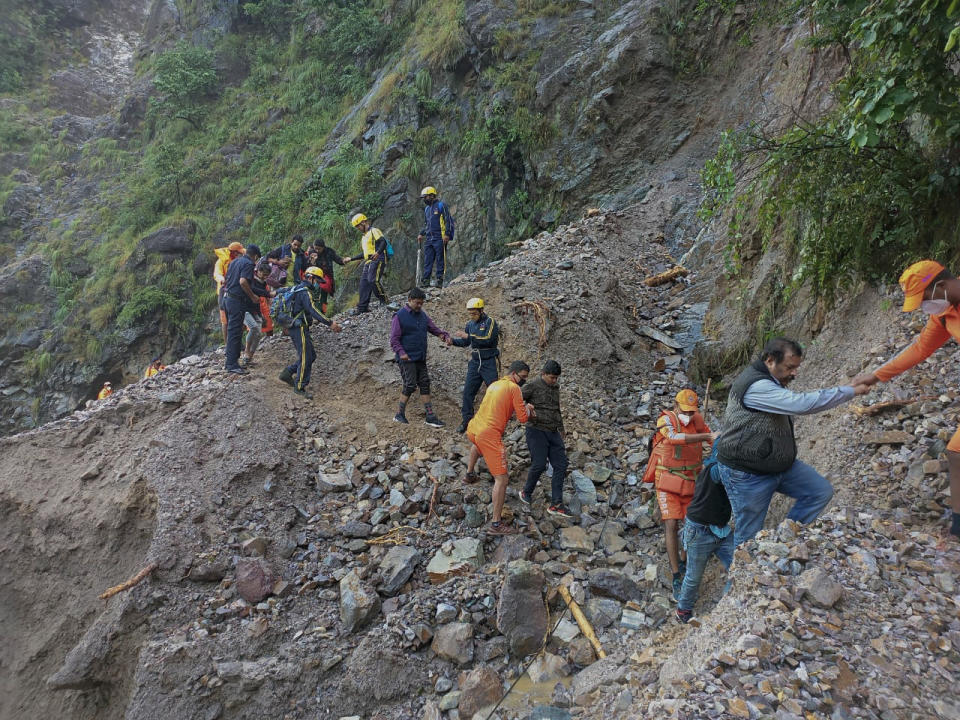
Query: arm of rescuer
[769,396]
[479,338]
[519,406]
[434,330]
[303,302]
[933,336]
[672,437]
[246,280]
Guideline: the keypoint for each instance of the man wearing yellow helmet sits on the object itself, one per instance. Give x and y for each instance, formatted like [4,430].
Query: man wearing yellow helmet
[373,252]
[482,335]
[437,232]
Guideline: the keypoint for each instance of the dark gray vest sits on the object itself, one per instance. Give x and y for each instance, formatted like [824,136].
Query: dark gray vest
[754,441]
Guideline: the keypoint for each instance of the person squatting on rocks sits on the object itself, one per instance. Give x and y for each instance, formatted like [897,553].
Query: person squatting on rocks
[224,257]
[485,432]
[304,313]
[545,437]
[481,335]
[291,259]
[757,451]
[929,287]
[408,338]
[239,299]
[373,252]
[106,391]
[706,532]
[675,460]
[436,234]
[324,257]
[155,367]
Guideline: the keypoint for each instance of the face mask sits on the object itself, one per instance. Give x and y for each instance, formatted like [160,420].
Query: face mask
[684,419]
[427,201]
[521,381]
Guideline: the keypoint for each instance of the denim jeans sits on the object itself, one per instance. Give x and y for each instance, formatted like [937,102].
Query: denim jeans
[750,496]
[700,543]
[545,446]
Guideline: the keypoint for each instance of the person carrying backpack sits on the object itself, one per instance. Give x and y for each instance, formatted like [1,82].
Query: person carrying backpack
[375,250]
[296,311]
[675,460]
[437,232]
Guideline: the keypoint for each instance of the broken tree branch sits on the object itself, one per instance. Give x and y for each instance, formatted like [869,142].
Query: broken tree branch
[585,627]
[135,580]
[877,408]
[666,276]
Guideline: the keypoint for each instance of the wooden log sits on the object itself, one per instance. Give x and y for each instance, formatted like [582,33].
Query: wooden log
[877,408]
[132,582]
[666,276]
[585,627]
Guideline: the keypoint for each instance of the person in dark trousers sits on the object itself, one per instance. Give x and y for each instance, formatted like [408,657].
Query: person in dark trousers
[373,252]
[304,313]
[239,299]
[408,338]
[482,335]
[545,437]
[291,258]
[757,451]
[324,258]
[706,532]
[436,235]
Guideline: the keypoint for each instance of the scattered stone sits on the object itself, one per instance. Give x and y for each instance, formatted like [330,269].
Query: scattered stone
[575,538]
[479,688]
[820,587]
[255,579]
[581,652]
[445,613]
[454,642]
[889,437]
[396,568]
[359,604]
[333,483]
[521,612]
[255,546]
[613,584]
[547,668]
[463,557]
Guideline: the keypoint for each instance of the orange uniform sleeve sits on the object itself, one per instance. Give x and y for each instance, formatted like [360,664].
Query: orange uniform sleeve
[931,338]
[518,405]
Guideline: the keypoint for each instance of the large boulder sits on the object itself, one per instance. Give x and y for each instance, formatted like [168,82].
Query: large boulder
[521,612]
[396,568]
[359,604]
[614,584]
[479,688]
[461,557]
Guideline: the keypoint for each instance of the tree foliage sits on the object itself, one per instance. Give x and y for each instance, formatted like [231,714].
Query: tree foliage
[186,79]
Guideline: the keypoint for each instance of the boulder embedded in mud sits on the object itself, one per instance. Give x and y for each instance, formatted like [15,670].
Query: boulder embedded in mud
[521,612]
[255,579]
[479,688]
[359,604]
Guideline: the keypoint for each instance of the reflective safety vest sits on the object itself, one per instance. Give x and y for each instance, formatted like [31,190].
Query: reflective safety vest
[673,464]
[104,394]
[151,371]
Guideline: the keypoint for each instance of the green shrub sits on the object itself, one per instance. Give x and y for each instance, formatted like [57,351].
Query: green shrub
[150,301]
[187,79]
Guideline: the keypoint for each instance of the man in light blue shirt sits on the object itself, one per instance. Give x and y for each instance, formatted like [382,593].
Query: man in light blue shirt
[757,450]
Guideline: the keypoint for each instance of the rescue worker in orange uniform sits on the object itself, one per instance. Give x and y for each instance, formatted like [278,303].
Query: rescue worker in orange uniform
[106,391]
[485,430]
[224,257]
[153,368]
[929,287]
[675,460]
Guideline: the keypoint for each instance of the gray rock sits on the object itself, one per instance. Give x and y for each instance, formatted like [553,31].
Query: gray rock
[480,688]
[333,482]
[575,538]
[521,612]
[602,612]
[597,473]
[454,642]
[584,487]
[255,579]
[547,668]
[607,671]
[819,587]
[548,712]
[356,529]
[445,613]
[397,567]
[464,556]
[359,604]
[442,469]
[613,584]
[514,547]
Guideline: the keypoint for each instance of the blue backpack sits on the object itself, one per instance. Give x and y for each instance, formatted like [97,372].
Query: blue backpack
[281,309]
[389,249]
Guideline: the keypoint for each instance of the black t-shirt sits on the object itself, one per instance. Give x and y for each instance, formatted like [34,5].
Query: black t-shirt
[240,268]
[710,504]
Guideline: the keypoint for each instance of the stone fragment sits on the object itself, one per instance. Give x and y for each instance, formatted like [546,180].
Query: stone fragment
[566,631]
[602,612]
[356,529]
[613,584]
[359,604]
[479,688]
[607,671]
[584,488]
[333,483]
[454,642]
[820,587]
[575,538]
[514,547]
[464,556]
[597,473]
[254,579]
[548,712]
[208,572]
[521,611]
[396,568]
[445,613]
[450,700]
[580,652]
[547,668]
[255,546]
[431,711]
[889,437]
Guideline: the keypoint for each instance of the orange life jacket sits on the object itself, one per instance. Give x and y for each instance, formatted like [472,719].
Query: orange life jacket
[673,466]
[265,311]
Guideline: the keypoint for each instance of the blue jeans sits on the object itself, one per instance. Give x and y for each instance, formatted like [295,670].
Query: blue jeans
[700,543]
[546,445]
[750,496]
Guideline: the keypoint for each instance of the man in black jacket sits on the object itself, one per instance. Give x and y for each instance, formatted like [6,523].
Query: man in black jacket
[545,437]
[482,336]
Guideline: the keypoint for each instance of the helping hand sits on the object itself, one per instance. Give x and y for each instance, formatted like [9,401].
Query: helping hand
[461,335]
[530,410]
[861,389]
[865,379]
[336,327]
[404,357]
[448,340]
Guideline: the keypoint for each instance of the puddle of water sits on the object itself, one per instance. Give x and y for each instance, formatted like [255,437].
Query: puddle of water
[526,693]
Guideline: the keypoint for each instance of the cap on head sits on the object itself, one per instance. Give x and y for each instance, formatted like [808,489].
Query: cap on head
[551,367]
[357,219]
[914,281]
[475,304]
[235,247]
[687,400]
[253,251]
[313,271]
[107,384]
[428,190]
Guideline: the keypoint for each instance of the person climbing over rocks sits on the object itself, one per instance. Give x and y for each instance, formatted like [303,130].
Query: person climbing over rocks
[155,367]
[757,450]
[673,466]
[106,391]
[928,286]
[481,335]
[485,431]
[224,257]
[436,234]
[545,437]
[304,313]
[291,258]
[239,299]
[373,252]
[408,338]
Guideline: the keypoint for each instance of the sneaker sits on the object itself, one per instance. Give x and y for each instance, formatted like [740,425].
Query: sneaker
[525,497]
[501,528]
[286,376]
[683,616]
[304,393]
[462,428]
[471,477]
[677,585]
[237,371]
[434,421]
[439,284]
[401,418]
[393,307]
[559,510]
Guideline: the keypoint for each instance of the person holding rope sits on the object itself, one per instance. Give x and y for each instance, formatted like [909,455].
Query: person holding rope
[482,335]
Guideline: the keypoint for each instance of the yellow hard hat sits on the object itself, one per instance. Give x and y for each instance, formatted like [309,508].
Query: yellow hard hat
[428,190]
[235,247]
[357,219]
[687,400]
[475,304]
[313,271]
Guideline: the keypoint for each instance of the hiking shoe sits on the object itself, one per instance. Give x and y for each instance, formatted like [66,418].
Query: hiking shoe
[560,511]
[393,307]
[303,393]
[525,497]
[471,477]
[501,528]
[287,377]
[462,428]
[401,418]
[246,362]
[677,585]
[683,616]
[237,371]
[434,421]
